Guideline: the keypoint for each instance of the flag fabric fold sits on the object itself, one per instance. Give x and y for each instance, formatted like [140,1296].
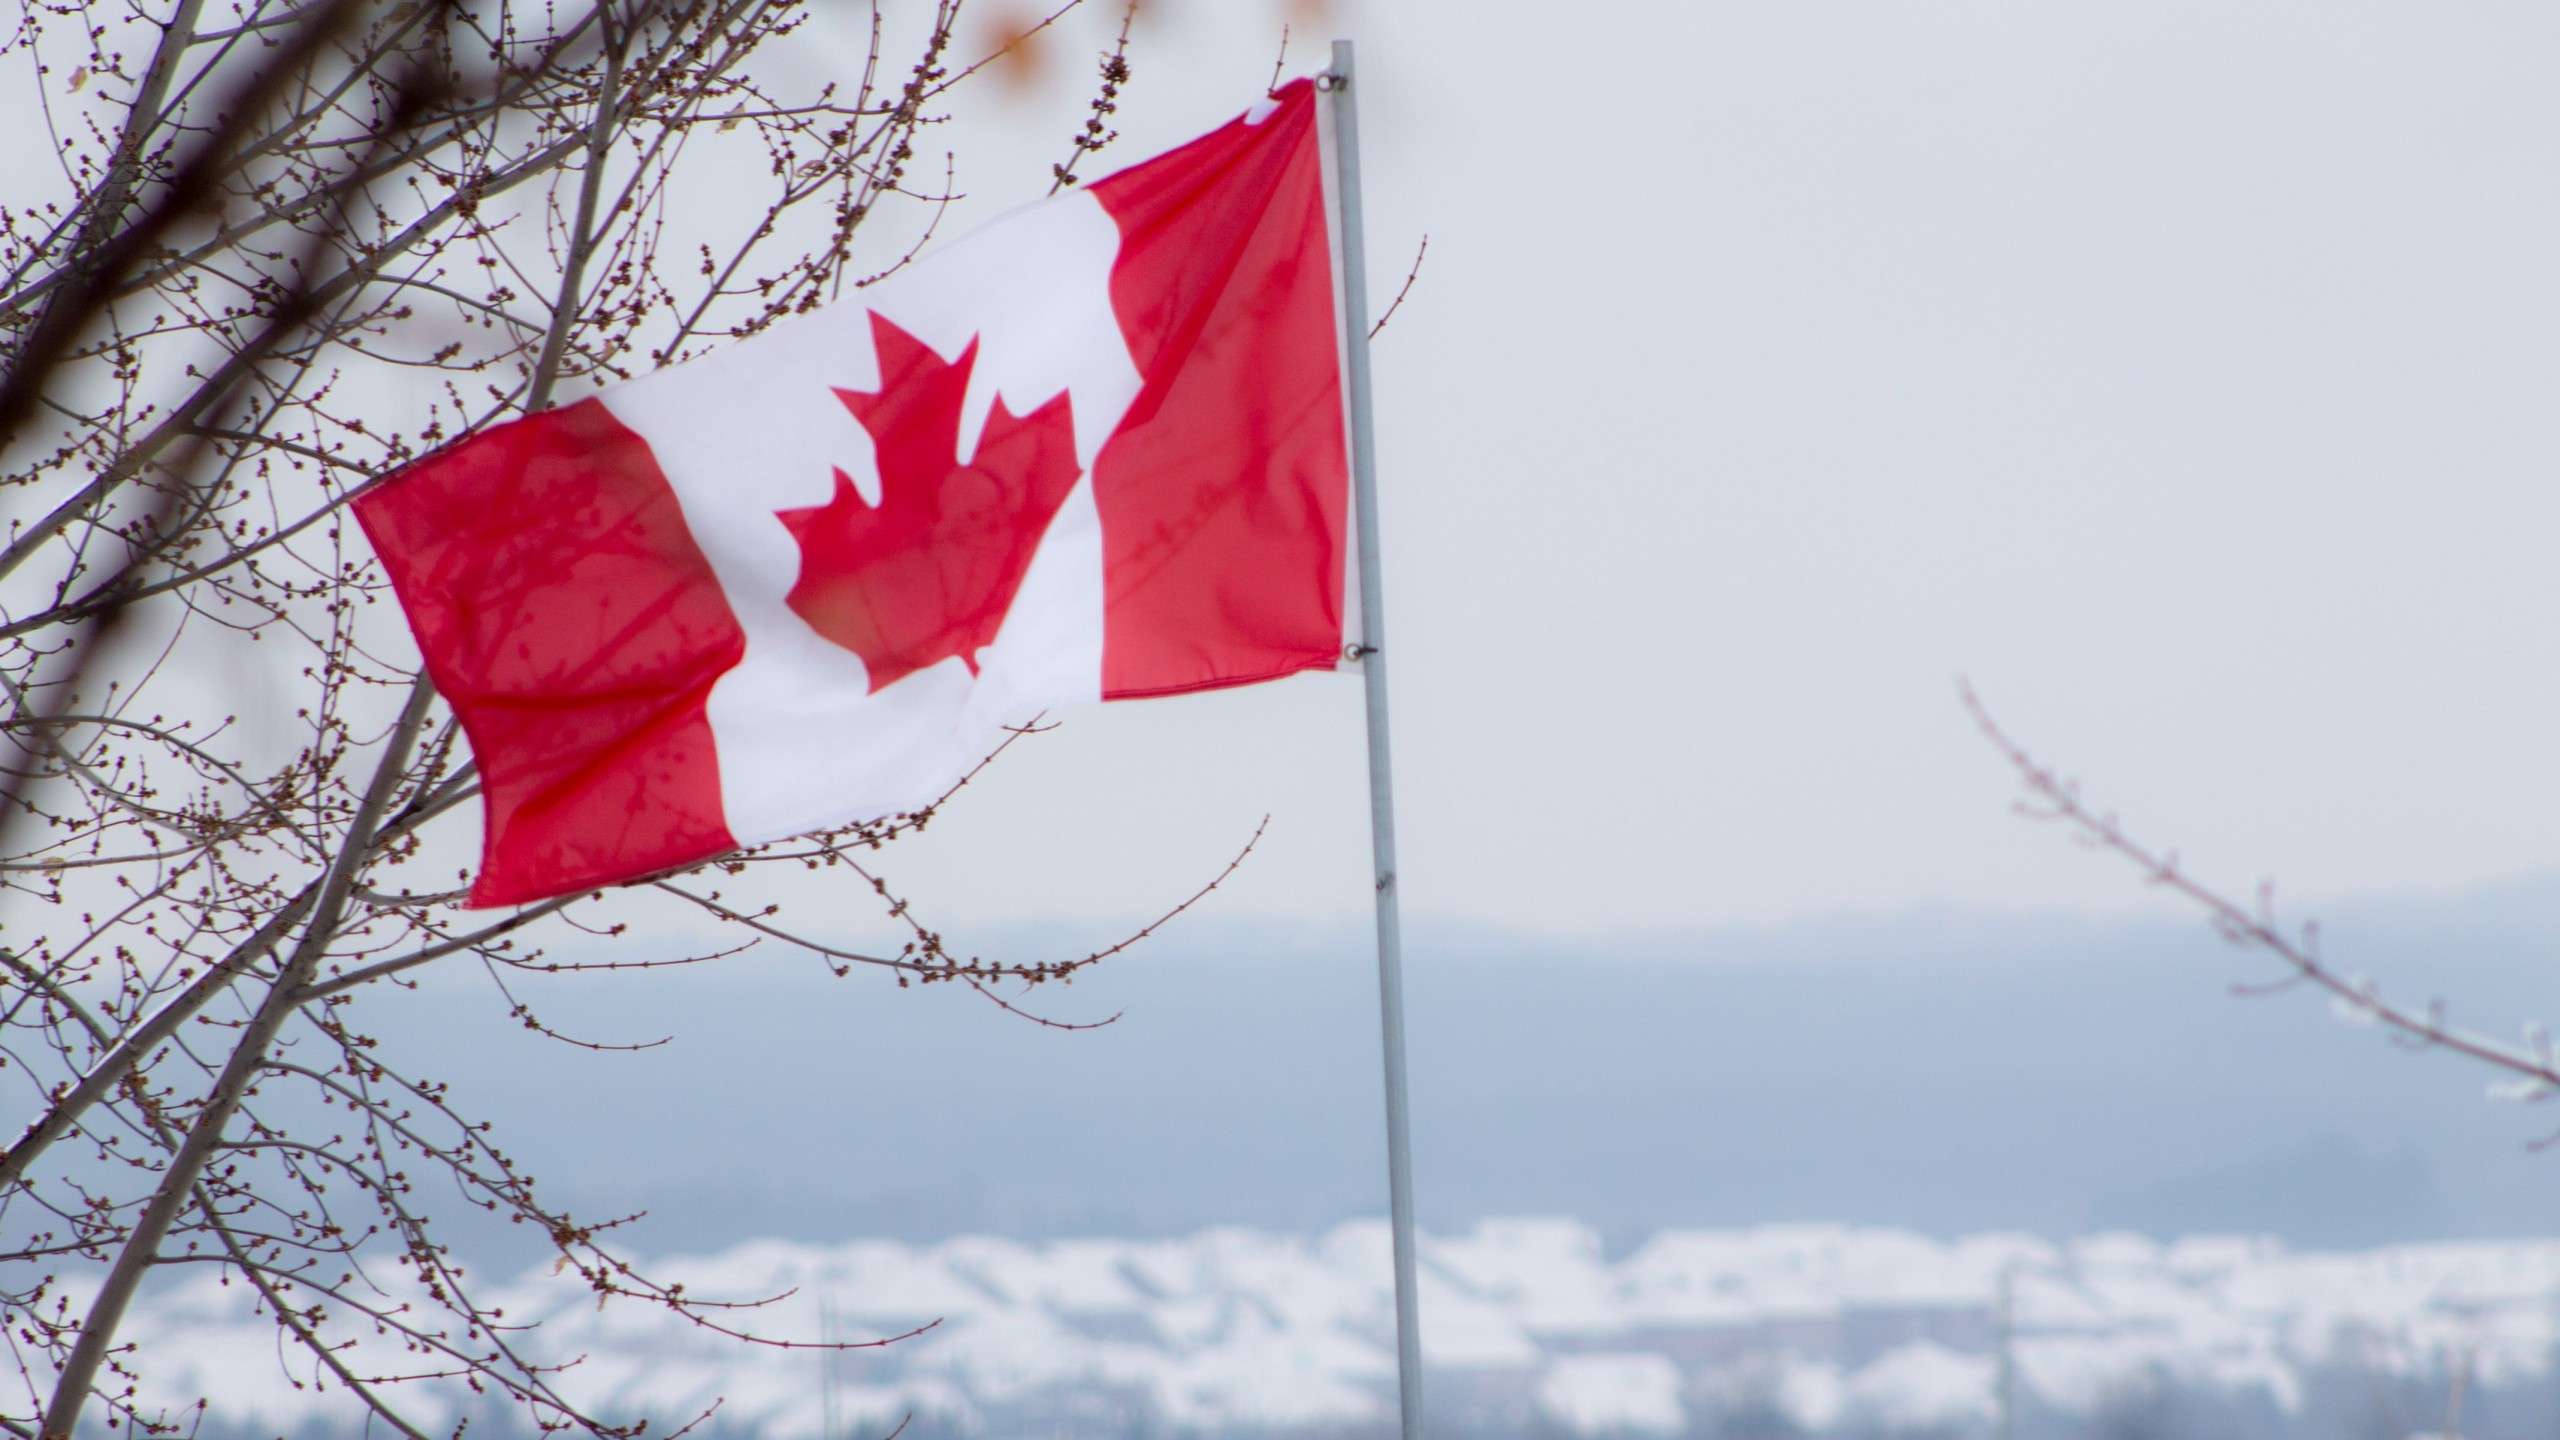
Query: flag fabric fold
[1093,451]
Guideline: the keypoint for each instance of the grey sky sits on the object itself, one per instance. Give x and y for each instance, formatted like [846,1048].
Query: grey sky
[2180,372]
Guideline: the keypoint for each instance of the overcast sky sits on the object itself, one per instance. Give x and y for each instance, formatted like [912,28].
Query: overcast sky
[2181,372]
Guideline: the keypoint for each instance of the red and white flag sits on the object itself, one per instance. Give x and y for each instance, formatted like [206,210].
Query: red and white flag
[1094,451]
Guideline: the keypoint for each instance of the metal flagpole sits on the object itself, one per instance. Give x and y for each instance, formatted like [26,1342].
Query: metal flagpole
[1373,665]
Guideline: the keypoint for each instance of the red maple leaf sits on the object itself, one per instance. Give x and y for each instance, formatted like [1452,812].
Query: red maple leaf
[930,571]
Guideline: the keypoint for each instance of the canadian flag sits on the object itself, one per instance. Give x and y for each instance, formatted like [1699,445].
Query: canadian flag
[1094,451]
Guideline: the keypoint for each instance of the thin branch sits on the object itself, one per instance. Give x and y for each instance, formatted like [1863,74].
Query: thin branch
[1403,290]
[2057,800]
[1097,131]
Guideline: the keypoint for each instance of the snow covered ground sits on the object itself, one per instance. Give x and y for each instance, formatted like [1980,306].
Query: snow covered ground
[1530,1329]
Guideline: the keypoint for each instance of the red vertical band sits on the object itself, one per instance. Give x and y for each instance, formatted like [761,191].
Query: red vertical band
[575,627]
[1223,493]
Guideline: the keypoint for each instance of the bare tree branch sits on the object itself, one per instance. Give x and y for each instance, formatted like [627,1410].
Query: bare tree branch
[2053,799]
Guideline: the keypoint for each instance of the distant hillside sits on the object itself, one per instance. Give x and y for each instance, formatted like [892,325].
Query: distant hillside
[1944,1073]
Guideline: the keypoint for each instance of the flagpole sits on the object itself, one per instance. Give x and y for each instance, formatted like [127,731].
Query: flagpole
[1373,665]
